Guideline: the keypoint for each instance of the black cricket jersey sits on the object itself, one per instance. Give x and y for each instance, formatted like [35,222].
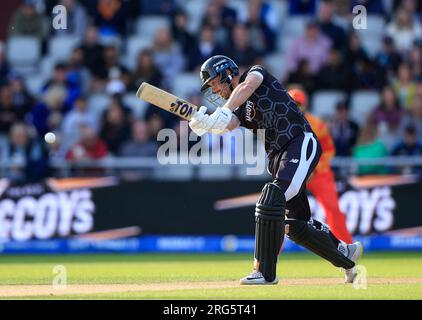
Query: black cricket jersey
[271,108]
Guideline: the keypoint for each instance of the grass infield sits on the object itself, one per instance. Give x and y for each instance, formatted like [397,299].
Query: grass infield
[204,276]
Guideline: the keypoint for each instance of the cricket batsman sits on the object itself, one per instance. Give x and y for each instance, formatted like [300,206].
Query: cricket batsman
[256,100]
[322,183]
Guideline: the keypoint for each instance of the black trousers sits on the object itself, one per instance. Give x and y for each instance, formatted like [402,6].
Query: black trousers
[291,168]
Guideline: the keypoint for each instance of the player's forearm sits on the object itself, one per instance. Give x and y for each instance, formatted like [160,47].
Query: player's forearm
[239,96]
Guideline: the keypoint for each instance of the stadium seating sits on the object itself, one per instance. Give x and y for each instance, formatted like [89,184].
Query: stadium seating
[137,105]
[186,85]
[23,53]
[135,45]
[362,103]
[34,84]
[146,26]
[372,43]
[324,102]
[194,10]
[98,102]
[276,65]
[295,25]
[60,47]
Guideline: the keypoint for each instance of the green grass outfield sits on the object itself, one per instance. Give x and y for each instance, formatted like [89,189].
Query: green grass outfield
[205,276]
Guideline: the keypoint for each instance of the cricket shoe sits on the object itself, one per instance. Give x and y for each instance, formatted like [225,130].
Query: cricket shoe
[257,278]
[353,252]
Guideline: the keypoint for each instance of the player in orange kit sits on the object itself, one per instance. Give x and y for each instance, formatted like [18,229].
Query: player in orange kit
[322,183]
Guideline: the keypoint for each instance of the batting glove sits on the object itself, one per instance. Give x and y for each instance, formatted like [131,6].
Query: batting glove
[199,121]
[219,120]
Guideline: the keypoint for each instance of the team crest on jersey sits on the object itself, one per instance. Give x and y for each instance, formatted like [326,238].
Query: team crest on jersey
[250,110]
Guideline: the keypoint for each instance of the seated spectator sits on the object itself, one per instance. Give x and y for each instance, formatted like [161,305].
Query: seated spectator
[74,119]
[389,58]
[60,78]
[113,69]
[387,117]
[413,117]
[404,30]
[313,46]
[414,7]
[26,21]
[344,131]
[205,47]
[355,52]
[409,146]
[370,146]
[111,17]
[241,51]
[93,52]
[261,27]
[89,147]
[140,144]
[221,18]
[329,27]
[115,126]
[22,148]
[404,85]
[77,19]
[415,60]
[4,66]
[167,56]
[367,74]
[8,111]
[227,14]
[389,111]
[180,32]
[336,75]
[156,122]
[302,7]
[303,76]
[78,74]
[51,106]
[22,100]
[146,71]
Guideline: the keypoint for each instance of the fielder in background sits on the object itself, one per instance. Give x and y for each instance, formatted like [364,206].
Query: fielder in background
[256,100]
[322,183]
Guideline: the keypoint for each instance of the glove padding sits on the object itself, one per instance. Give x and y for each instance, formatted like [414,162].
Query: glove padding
[198,121]
[219,120]
[216,123]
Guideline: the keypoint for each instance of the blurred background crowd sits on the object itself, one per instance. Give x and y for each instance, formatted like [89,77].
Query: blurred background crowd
[80,82]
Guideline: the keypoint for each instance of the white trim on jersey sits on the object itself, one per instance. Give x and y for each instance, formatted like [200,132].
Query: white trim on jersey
[303,167]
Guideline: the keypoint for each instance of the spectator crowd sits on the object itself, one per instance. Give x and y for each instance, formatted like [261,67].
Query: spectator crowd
[328,55]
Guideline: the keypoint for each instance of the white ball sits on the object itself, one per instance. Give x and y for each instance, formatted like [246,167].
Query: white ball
[50,137]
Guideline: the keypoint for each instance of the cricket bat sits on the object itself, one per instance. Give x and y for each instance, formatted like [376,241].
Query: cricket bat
[166,101]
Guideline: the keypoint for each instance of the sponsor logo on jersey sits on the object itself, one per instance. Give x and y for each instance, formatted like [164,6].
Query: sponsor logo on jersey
[294,161]
[250,110]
